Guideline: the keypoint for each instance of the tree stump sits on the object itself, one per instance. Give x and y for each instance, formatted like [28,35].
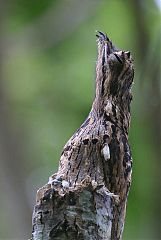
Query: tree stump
[86,199]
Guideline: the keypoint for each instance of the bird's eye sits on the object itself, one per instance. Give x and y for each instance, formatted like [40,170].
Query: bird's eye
[118,58]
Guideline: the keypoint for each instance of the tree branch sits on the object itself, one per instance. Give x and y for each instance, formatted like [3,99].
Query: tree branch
[86,198]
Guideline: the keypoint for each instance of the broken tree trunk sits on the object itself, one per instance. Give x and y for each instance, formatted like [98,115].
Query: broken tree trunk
[86,198]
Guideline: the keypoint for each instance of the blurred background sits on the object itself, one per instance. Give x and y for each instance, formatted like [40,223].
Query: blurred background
[47,71]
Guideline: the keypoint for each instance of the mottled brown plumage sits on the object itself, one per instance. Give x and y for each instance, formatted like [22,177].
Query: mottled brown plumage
[97,158]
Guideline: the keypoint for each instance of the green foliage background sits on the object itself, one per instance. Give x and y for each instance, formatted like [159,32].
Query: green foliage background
[47,62]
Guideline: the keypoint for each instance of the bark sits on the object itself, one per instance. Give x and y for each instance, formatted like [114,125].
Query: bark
[86,199]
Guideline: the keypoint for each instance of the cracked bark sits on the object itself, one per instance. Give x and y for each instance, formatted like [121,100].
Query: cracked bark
[86,199]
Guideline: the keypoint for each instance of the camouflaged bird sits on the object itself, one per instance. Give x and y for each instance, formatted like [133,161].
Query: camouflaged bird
[99,153]
[100,148]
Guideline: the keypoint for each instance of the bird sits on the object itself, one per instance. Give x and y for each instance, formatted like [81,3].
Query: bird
[99,151]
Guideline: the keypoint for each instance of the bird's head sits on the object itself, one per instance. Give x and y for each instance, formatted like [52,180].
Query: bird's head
[114,69]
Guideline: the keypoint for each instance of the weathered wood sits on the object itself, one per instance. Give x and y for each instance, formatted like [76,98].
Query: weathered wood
[86,198]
